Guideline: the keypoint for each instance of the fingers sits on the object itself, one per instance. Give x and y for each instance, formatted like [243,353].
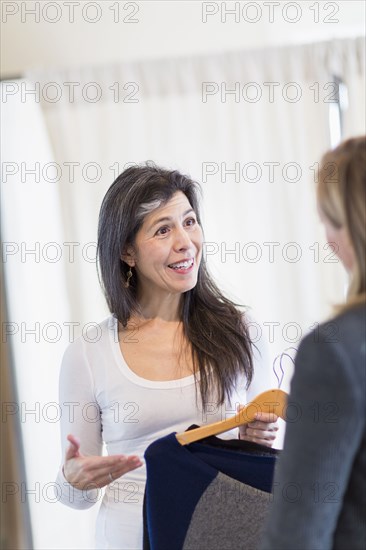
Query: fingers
[118,464]
[260,416]
[266,417]
[264,426]
[253,434]
[130,463]
[105,463]
[73,439]
[73,449]
[93,471]
[106,475]
[269,435]
[264,421]
[262,430]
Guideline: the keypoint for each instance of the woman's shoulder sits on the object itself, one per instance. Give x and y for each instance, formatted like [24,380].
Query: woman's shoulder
[94,336]
[353,318]
[346,329]
[336,350]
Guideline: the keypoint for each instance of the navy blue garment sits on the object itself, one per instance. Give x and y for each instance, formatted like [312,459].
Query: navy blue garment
[183,480]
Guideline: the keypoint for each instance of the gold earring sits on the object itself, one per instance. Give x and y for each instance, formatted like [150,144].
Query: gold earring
[129,275]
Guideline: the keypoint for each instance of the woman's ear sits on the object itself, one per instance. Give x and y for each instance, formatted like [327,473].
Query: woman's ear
[129,256]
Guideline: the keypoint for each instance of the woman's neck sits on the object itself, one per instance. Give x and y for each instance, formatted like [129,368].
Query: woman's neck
[165,308]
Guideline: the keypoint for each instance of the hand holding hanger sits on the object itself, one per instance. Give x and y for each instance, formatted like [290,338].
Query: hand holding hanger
[271,401]
[262,430]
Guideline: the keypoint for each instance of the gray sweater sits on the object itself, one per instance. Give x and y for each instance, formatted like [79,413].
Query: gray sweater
[319,493]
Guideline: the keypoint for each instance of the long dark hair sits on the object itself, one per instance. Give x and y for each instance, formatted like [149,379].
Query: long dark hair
[215,328]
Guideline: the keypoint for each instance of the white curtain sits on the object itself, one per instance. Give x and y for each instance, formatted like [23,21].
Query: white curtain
[250,126]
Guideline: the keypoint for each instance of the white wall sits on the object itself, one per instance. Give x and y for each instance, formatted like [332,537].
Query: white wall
[163,29]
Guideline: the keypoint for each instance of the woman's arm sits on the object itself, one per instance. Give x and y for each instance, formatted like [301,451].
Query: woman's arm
[77,402]
[325,426]
[84,471]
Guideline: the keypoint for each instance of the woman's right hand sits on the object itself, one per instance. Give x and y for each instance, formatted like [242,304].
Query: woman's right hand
[89,472]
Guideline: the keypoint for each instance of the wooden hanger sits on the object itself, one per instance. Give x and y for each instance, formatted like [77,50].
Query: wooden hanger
[271,401]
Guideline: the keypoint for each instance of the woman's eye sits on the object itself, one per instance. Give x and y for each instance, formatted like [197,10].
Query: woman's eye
[191,221]
[162,230]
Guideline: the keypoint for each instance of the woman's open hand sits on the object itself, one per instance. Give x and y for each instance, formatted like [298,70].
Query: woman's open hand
[262,430]
[89,472]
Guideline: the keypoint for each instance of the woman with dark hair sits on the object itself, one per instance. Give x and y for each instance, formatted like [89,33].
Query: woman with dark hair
[174,352]
[320,487]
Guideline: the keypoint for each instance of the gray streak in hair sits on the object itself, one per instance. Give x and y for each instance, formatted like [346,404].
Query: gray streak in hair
[147,208]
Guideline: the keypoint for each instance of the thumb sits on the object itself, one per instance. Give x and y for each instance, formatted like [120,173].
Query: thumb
[73,449]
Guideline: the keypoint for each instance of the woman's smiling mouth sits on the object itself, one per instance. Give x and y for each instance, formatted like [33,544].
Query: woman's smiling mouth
[183,266]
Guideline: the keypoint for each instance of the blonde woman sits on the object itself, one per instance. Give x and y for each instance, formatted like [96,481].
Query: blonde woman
[320,486]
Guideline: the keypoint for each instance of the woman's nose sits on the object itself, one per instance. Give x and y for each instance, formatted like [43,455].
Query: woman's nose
[182,240]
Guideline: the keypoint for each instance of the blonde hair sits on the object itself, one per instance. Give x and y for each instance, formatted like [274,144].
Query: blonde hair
[341,194]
